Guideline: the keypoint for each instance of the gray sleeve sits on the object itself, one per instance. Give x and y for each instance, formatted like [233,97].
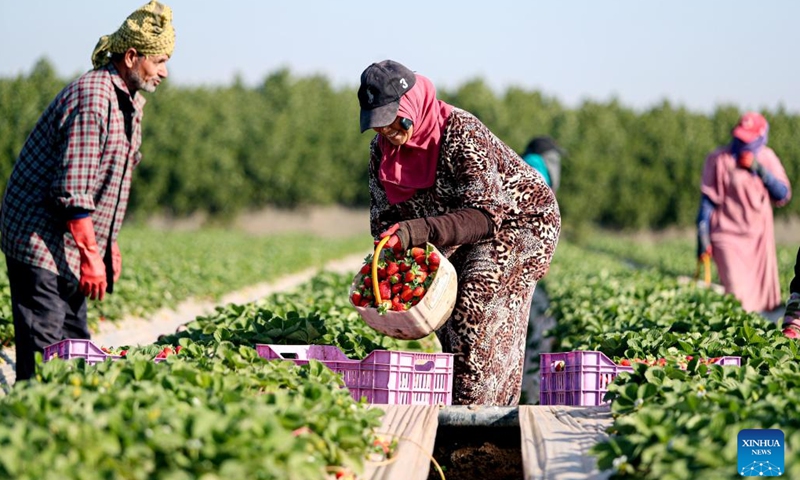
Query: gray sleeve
[553,161]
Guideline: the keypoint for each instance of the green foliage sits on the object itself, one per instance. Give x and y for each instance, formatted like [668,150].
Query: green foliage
[295,141]
[318,312]
[162,268]
[213,411]
[672,421]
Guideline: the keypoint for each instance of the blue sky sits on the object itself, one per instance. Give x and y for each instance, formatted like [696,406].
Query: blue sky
[694,53]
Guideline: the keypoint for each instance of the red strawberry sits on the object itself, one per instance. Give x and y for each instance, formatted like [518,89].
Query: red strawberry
[421,260]
[397,287]
[421,277]
[164,352]
[392,268]
[397,304]
[418,291]
[409,277]
[434,259]
[625,362]
[417,251]
[356,298]
[406,294]
[385,289]
[365,269]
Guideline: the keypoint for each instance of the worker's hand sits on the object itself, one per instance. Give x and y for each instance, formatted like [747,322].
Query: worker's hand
[394,242]
[93,271]
[745,160]
[116,260]
[791,318]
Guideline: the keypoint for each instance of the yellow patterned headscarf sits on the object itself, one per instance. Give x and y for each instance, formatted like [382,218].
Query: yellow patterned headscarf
[148,30]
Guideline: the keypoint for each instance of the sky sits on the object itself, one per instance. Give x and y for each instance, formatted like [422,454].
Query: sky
[693,53]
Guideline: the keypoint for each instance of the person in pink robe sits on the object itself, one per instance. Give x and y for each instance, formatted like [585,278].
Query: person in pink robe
[741,183]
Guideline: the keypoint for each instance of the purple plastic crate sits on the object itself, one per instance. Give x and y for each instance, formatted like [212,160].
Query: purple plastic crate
[77,348]
[80,348]
[383,376]
[582,377]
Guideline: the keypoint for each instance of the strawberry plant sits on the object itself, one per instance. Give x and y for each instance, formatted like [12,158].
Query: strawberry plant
[675,416]
[160,271]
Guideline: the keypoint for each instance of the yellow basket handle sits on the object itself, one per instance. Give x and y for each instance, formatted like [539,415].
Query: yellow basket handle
[375,289]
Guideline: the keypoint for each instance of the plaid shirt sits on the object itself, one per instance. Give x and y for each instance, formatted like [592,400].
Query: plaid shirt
[78,157]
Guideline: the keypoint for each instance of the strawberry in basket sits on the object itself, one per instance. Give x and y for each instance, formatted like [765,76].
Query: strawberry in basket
[405,293]
[403,276]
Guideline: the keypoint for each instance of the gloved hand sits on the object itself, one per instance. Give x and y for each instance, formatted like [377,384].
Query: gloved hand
[116,260]
[394,242]
[745,160]
[93,271]
[791,318]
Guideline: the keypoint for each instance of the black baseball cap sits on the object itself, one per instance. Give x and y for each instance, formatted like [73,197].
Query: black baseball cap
[382,85]
[540,145]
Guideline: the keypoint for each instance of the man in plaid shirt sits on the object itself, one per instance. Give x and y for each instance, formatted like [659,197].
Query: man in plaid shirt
[67,195]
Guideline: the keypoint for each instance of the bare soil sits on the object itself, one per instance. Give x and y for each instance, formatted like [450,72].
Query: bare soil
[477,453]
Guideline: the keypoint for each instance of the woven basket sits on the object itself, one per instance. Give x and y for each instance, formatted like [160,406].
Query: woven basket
[421,319]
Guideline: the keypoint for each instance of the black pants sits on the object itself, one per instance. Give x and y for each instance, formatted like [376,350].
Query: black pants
[47,309]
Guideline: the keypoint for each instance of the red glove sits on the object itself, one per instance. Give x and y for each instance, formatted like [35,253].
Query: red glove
[745,160]
[93,271]
[116,260]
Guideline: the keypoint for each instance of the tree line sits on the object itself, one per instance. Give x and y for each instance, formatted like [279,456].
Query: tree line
[294,141]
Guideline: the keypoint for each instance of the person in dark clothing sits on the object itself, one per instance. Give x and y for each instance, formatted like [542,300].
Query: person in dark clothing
[791,317]
[544,154]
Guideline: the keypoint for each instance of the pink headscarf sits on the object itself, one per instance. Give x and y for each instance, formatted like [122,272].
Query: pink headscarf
[412,166]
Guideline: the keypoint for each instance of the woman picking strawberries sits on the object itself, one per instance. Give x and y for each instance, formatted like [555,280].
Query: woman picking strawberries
[438,175]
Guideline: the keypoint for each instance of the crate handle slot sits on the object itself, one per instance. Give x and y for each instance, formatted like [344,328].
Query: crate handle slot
[421,365]
[558,366]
